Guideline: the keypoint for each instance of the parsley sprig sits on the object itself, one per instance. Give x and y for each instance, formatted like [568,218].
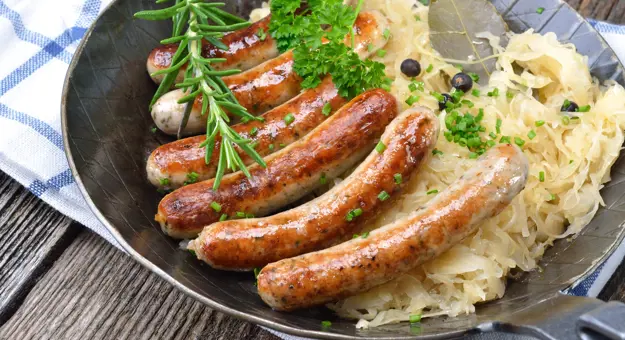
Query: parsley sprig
[209,22]
[316,32]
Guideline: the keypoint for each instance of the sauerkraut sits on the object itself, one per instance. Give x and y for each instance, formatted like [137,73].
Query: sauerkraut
[574,159]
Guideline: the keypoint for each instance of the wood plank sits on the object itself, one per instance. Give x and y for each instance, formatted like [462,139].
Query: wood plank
[96,291]
[32,236]
[608,10]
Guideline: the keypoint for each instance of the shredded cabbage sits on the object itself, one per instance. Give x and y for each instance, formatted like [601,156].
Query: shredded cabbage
[575,158]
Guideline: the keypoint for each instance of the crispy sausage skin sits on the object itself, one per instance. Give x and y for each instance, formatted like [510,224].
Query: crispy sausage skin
[322,222]
[329,150]
[265,86]
[169,164]
[247,48]
[360,264]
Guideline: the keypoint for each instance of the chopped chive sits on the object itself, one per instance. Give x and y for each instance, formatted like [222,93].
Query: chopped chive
[386,34]
[256,272]
[261,34]
[492,135]
[439,97]
[519,141]
[571,161]
[417,18]
[412,87]
[289,118]
[326,324]
[192,252]
[240,214]
[467,103]
[551,197]
[566,120]
[381,53]
[365,234]
[494,93]
[281,145]
[509,95]
[192,177]
[430,68]
[383,196]
[414,318]
[505,139]
[370,47]
[474,76]
[475,92]
[357,212]
[460,67]
[323,180]
[539,123]
[327,108]
[437,152]
[531,135]
[380,147]
[473,155]
[432,192]
[412,99]
[498,125]
[352,214]
[490,143]
[540,10]
[223,217]
[153,130]
[398,178]
[270,146]
[248,215]
[216,206]
[355,236]
[254,131]
[541,176]
[164,181]
[584,108]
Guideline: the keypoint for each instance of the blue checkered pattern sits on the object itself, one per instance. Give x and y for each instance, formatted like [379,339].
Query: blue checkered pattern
[31,144]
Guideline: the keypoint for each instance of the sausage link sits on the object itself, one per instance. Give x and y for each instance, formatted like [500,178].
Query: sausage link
[265,86]
[325,221]
[360,264]
[333,147]
[169,165]
[246,49]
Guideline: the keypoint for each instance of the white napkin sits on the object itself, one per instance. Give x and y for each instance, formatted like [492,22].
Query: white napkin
[40,38]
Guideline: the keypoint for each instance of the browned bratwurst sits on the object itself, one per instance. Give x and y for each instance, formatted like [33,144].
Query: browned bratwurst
[332,217]
[360,264]
[265,86]
[247,48]
[169,165]
[329,150]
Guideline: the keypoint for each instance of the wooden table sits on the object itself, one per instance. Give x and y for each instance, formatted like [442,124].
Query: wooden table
[58,280]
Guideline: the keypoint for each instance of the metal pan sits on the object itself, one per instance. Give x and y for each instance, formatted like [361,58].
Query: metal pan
[106,129]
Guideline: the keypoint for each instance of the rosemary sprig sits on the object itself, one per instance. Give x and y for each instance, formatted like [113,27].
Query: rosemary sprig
[206,21]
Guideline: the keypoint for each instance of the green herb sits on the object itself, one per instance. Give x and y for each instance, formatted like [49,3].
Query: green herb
[381,53]
[460,67]
[323,180]
[540,10]
[240,214]
[584,108]
[153,130]
[551,197]
[208,22]
[326,324]
[475,92]
[492,135]
[365,234]
[289,118]
[380,147]
[216,206]
[494,93]
[425,2]
[281,145]
[531,135]
[412,99]
[432,192]
[566,120]
[261,34]
[541,176]
[254,131]
[386,34]
[509,95]
[539,123]
[571,161]
[439,97]
[519,141]
[498,125]
[353,214]
[505,140]
[164,181]
[256,272]
[370,47]
[271,147]
[468,103]
[223,217]
[474,76]
[398,178]
[414,318]
[429,68]
[437,152]
[327,108]
[249,215]
[383,196]
[192,252]
[456,94]
[192,177]
[417,18]
[472,155]
[490,143]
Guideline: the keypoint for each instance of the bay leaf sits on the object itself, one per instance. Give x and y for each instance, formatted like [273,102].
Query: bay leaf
[454,25]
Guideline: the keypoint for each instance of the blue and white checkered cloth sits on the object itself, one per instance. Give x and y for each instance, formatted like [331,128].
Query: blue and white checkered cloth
[40,38]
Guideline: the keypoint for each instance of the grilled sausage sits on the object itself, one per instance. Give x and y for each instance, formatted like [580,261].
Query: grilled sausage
[328,219]
[360,264]
[265,86]
[329,150]
[247,48]
[169,165]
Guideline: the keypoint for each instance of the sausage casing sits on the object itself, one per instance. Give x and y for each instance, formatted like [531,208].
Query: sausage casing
[247,48]
[169,165]
[324,221]
[360,264]
[329,150]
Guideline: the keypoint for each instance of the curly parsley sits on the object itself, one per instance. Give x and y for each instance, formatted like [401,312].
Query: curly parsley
[298,26]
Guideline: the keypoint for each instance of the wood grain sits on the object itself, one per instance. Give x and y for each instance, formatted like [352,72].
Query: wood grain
[96,291]
[608,10]
[32,236]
